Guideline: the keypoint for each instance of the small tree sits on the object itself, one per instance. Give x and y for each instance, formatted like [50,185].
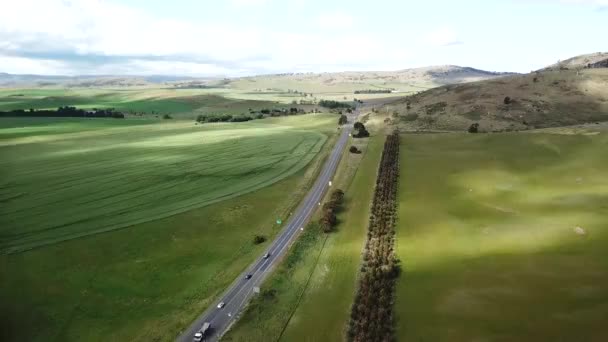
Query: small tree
[258,239]
[507,100]
[354,149]
[360,130]
[343,120]
[474,128]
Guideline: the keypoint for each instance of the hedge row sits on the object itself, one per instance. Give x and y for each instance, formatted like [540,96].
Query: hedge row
[372,311]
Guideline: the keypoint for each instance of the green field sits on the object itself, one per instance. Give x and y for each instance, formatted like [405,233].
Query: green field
[149,281]
[181,103]
[488,240]
[308,297]
[76,183]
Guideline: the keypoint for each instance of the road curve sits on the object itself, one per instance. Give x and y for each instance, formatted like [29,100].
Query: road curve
[241,290]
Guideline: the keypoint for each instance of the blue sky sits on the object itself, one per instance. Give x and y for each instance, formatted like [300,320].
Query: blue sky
[245,37]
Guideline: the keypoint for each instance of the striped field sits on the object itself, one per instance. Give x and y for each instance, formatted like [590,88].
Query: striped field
[60,181]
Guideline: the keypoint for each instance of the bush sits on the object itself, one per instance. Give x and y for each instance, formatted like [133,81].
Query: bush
[474,128]
[360,130]
[410,117]
[167,117]
[354,149]
[258,239]
[507,100]
[328,218]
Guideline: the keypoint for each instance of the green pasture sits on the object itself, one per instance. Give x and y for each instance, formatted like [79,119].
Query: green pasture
[503,237]
[151,279]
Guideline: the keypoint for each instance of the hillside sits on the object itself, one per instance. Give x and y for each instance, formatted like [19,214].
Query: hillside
[540,99]
[407,80]
[591,60]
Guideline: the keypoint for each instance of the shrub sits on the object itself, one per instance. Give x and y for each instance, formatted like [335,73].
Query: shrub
[507,100]
[258,239]
[167,116]
[360,130]
[474,128]
[410,117]
[354,149]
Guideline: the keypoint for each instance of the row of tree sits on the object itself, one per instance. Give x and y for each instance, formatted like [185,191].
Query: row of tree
[374,91]
[372,311]
[328,218]
[334,104]
[253,115]
[67,111]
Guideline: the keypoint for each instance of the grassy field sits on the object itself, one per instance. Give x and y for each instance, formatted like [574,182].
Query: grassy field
[489,242]
[148,281]
[181,103]
[308,297]
[74,183]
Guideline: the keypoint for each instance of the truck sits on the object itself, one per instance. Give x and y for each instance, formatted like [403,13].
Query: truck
[202,333]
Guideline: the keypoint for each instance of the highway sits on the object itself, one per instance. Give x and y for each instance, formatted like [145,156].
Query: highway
[242,289]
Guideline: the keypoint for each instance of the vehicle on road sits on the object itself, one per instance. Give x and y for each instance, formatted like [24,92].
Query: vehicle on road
[248,276]
[267,255]
[200,335]
[221,305]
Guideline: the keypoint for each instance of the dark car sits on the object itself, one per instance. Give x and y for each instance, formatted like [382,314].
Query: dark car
[248,276]
[266,256]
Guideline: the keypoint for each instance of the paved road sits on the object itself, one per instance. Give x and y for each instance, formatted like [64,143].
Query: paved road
[239,293]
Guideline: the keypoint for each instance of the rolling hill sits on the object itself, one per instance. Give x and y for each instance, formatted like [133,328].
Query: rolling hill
[546,98]
[407,80]
[591,60]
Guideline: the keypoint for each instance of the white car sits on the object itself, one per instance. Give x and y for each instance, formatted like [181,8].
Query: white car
[198,337]
[221,305]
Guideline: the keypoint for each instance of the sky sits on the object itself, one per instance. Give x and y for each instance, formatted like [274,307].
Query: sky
[248,37]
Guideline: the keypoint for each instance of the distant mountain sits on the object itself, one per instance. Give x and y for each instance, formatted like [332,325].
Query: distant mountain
[400,81]
[21,80]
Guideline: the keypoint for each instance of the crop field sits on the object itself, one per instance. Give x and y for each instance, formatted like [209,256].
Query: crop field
[148,281]
[187,103]
[76,183]
[503,237]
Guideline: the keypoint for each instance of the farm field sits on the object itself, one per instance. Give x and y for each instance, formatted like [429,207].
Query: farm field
[149,281]
[181,103]
[308,297]
[503,237]
[71,184]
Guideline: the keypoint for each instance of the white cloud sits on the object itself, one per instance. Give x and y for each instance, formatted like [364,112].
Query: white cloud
[442,36]
[336,20]
[586,2]
[248,3]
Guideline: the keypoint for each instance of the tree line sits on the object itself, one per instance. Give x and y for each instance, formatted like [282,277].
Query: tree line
[374,91]
[334,104]
[253,115]
[66,111]
[371,316]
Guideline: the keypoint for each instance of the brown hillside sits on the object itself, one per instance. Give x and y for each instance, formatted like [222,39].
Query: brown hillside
[541,99]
